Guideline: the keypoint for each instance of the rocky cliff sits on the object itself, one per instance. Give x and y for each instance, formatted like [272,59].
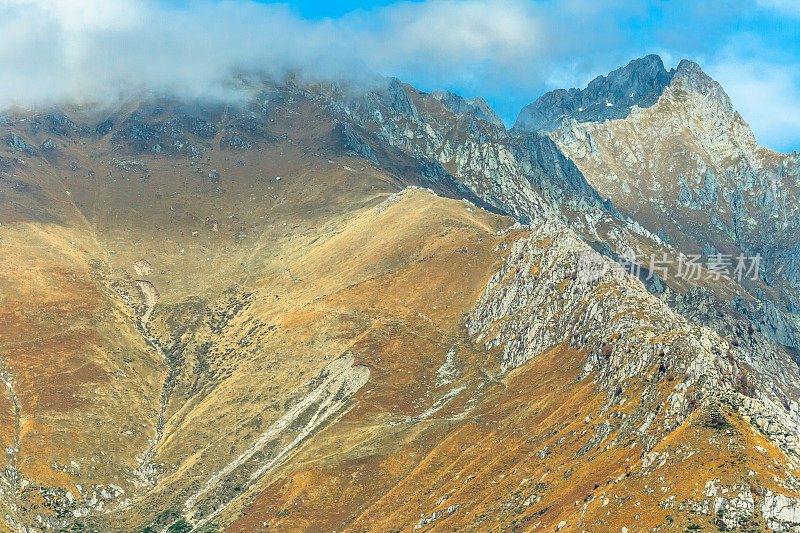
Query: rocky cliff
[639,83]
[689,169]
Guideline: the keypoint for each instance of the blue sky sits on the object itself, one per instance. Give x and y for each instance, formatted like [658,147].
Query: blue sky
[320,10]
[508,51]
[751,47]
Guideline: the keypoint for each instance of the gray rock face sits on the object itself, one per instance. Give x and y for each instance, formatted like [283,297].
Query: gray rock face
[770,321]
[526,176]
[691,78]
[577,310]
[604,302]
[640,83]
[686,196]
[354,145]
[689,167]
[48,145]
[473,106]
[399,101]
[200,127]
[60,124]
[235,141]
[552,288]
[709,195]
[15,142]
[540,152]
[706,197]
[781,512]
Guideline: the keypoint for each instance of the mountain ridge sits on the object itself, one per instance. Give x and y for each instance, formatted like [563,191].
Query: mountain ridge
[639,83]
[730,174]
[319,326]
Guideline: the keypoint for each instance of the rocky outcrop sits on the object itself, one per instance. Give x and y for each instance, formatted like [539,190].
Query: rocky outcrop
[526,175]
[142,267]
[553,290]
[474,106]
[781,512]
[143,132]
[17,143]
[501,362]
[353,144]
[150,299]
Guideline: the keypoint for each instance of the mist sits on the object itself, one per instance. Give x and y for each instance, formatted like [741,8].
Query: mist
[55,51]
[78,50]
[52,51]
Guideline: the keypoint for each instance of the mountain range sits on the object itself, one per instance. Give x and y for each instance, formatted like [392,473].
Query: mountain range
[331,308]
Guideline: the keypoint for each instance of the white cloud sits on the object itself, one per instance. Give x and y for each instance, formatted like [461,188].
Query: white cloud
[786,7]
[449,32]
[768,98]
[54,50]
[81,14]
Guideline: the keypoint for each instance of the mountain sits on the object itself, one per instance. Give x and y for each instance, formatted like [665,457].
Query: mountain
[688,168]
[473,106]
[330,308]
[640,83]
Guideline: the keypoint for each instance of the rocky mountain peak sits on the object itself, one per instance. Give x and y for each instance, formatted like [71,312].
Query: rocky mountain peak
[691,78]
[640,83]
[473,106]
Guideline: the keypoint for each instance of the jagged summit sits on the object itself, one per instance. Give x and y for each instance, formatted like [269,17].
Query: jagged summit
[639,83]
[690,168]
[690,77]
[476,106]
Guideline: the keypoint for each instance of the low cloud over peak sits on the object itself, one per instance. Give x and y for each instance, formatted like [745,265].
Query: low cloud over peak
[56,50]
